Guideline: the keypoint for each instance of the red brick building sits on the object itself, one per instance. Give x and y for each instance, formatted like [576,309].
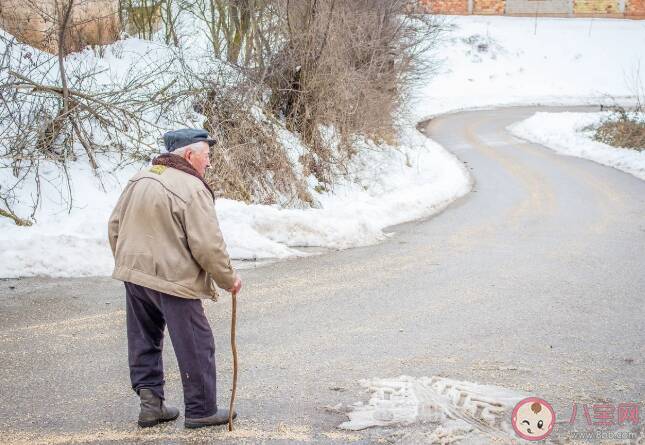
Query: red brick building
[633,9]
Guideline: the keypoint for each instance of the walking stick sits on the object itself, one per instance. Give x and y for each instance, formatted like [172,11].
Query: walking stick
[234,349]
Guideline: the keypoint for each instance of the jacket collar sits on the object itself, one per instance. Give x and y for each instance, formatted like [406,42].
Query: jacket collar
[179,163]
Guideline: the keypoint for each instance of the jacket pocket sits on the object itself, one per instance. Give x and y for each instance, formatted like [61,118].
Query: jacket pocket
[142,262]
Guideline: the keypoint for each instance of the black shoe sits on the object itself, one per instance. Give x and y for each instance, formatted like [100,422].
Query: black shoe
[153,410]
[219,418]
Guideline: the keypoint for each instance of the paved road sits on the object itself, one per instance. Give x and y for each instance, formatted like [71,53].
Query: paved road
[533,281]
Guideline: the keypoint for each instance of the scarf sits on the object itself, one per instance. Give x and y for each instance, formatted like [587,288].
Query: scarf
[179,163]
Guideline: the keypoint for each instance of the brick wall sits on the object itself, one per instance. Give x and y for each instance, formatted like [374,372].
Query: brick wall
[632,8]
[445,6]
[494,7]
[595,7]
[635,9]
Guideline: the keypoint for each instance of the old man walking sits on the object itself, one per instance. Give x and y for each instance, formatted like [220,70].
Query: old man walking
[168,249]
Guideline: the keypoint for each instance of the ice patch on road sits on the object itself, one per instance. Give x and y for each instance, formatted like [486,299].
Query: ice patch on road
[458,408]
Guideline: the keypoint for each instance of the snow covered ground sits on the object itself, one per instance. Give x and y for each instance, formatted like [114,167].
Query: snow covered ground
[386,186]
[490,61]
[566,134]
[486,61]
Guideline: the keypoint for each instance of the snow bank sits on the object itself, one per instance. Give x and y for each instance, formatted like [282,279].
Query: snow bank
[563,132]
[62,242]
[385,186]
[456,408]
[489,61]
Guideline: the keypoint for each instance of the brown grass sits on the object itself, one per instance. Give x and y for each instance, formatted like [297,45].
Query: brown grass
[623,129]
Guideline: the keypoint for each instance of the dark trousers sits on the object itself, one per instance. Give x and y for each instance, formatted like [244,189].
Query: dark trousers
[148,312]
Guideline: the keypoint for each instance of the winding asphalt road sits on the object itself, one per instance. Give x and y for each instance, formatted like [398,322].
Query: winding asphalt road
[534,281]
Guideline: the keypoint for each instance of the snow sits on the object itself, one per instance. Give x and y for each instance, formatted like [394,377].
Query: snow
[62,242]
[487,61]
[455,408]
[565,133]
[386,186]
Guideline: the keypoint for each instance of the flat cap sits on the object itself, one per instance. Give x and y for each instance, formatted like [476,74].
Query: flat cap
[185,136]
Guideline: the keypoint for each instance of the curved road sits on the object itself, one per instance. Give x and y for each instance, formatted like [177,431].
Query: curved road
[534,281]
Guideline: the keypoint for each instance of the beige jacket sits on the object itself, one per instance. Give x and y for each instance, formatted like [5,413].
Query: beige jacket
[165,236]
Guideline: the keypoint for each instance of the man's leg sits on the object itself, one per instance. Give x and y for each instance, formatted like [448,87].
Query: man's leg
[194,346]
[146,324]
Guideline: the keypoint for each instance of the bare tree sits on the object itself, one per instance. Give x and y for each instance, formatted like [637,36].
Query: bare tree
[49,118]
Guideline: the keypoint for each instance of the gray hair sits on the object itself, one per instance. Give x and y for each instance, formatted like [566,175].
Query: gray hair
[199,147]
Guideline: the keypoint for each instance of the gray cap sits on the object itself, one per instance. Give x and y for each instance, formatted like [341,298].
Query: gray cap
[185,136]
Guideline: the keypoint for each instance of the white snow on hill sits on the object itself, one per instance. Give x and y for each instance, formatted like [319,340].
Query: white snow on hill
[490,61]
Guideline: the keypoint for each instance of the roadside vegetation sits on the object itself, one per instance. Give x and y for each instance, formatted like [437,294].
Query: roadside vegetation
[289,89]
[623,128]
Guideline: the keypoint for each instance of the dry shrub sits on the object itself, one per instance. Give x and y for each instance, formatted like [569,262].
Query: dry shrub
[346,65]
[623,129]
[330,67]
[249,162]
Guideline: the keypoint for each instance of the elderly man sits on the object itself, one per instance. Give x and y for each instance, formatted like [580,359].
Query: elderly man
[168,249]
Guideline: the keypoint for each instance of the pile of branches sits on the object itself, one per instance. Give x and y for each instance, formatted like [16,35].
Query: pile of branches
[49,113]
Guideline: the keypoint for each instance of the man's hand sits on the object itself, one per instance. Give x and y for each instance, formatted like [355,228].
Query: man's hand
[237,285]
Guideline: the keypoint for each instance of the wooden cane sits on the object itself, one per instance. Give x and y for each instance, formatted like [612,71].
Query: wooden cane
[234,349]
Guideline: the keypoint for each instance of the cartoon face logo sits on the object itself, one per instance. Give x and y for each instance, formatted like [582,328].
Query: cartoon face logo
[533,418]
